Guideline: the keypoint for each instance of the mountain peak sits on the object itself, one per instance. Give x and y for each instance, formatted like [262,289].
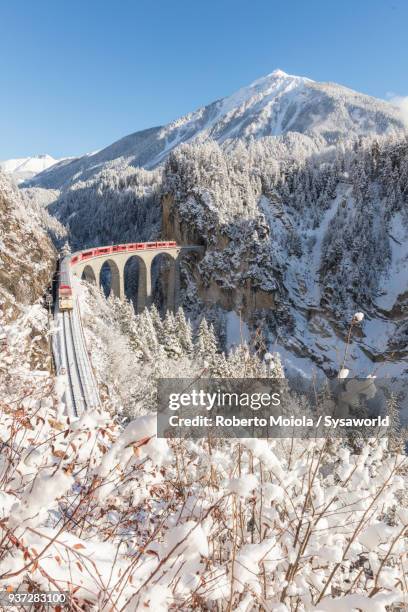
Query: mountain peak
[279,73]
[277,105]
[23,168]
[277,81]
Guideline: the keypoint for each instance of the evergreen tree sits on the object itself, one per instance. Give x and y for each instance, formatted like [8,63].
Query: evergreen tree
[66,249]
[205,347]
[169,337]
[156,319]
[220,367]
[125,314]
[184,332]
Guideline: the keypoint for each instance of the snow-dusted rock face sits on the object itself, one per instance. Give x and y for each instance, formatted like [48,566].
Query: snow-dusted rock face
[278,105]
[27,257]
[230,226]
[27,261]
[298,252]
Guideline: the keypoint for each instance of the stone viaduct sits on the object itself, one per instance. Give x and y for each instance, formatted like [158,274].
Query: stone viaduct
[88,265]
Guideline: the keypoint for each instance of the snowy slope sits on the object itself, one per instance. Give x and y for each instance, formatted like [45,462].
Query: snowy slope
[26,254]
[275,105]
[396,278]
[308,248]
[23,168]
[315,329]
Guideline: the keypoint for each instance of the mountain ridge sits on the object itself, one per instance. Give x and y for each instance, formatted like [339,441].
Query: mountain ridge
[276,105]
[309,212]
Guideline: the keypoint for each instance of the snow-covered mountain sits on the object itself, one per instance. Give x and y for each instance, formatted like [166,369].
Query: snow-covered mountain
[297,250]
[278,104]
[296,189]
[24,168]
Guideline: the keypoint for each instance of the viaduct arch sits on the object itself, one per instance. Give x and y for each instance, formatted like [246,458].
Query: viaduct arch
[88,265]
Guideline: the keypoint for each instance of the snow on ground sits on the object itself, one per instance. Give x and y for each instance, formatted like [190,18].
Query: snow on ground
[304,271]
[317,235]
[292,364]
[396,279]
[314,333]
[236,329]
[321,338]
[104,510]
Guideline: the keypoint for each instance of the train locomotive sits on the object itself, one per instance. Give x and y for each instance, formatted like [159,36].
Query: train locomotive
[65,299]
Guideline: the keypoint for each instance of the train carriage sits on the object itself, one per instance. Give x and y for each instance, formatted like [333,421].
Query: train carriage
[120,248]
[65,299]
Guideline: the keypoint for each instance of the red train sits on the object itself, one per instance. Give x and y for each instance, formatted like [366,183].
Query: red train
[65,297]
[118,248]
[65,300]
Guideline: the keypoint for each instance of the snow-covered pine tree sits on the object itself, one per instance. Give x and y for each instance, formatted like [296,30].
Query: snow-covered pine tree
[125,314]
[169,337]
[205,347]
[243,363]
[220,366]
[184,332]
[66,249]
[147,341]
[156,320]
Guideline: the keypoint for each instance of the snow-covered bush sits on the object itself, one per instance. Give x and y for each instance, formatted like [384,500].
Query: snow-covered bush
[125,521]
[121,519]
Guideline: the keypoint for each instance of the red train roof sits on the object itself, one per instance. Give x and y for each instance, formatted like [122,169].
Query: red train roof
[115,248]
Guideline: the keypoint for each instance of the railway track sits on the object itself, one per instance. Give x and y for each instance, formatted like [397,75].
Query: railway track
[69,345]
[72,361]
[65,359]
[74,375]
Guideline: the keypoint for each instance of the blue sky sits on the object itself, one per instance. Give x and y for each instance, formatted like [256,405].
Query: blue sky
[75,75]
